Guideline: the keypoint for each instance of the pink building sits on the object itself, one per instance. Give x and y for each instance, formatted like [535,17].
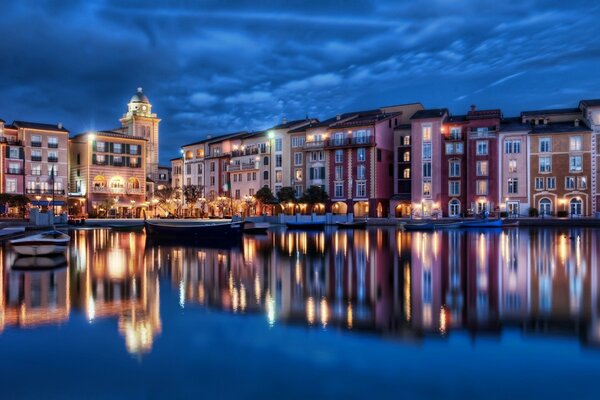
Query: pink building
[11,160]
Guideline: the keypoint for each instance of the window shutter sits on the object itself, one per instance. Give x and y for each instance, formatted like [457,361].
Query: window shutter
[110,160]
[21,153]
[312,175]
[139,162]
[94,161]
[7,152]
[322,173]
[111,147]
[125,149]
[126,160]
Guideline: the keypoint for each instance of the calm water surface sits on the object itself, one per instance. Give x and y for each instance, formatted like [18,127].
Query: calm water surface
[354,314]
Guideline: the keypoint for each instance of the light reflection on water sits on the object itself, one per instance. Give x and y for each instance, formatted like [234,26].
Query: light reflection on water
[378,280]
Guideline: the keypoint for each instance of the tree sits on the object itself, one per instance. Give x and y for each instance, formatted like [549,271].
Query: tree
[165,197]
[314,195]
[286,194]
[20,201]
[264,196]
[191,194]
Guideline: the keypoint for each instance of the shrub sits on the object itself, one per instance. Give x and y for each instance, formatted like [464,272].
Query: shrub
[533,212]
[562,214]
[503,214]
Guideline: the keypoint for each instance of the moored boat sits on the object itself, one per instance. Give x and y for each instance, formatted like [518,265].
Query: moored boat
[311,225]
[418,226]
[44,243]
[447,225]
[256,227]
[352,225]
[483,223]
[40,262]
[510,224]
[226,231]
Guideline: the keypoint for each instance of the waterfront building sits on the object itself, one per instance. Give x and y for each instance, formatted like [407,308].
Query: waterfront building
[108,174]
[426,172]
[45,148]
[514,166]
[12,160]
[177,172]
[590,110]
[400,203]
[164,177]
[454,166]
[140,121]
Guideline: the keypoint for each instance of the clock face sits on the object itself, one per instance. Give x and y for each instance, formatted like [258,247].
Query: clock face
[144,108]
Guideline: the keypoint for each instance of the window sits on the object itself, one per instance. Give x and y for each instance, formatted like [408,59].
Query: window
[133,149]
[317,173]
[482,147]
[449,148]
[298,141]
[427,170]
[426,189]
[406,140]
[338,189]
[361,154]
[212,181]
[36,155]
[426,133]
[248,177]
[512,146]
[539,183]
[426,151]
[36,170]
[11,186]
[278,160]
[482,168]
[297,174]
[454,169]
[298,191]
[575,143]
[406,156]
[117,160]
[53,142]
[406,173]
[569,182]
[265,175]
[551,183]
[512,166]
[200,168]
[545,145]
[575,163]
[278,145]
[100,146]
[339,156]
[454,208]
[14,153]
[278,176]
[582,182]
[455,133]
[454,188]
[361,172]
[545,164]
[188,169]
[117,148]
[235,177]
[339,173]
[459,148]
[482,187]
[297,158]
[361,189]
[200,153]
[100,159]
[513,185]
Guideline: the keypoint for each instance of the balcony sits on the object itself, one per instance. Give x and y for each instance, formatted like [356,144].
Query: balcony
[52,159]
[36,158]
[314,144]
[36,144]
[116,190]
[351,142]
[15,171]
[53,145]
[246,152]
[11,141]
[242,167]
[58,192]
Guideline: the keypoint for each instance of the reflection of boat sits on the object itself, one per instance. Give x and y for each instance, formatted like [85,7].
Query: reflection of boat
[127,227]
[51,261]
[256,227]
[447,225]
[483,223]
[195,231]
[418,226]
[510,224]
[352,225]
[311,225]
[49,242]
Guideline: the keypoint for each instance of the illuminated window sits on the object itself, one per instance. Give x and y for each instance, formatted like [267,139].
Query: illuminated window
[454,169]
[406,173]
[513,185]
[482,187]
[512,166]
[482,168]
[406,156]
[545,145]
[545,164]
[426,133]
[482,147]
[575,163]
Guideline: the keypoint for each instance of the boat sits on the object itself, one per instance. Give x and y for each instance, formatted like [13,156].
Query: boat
[207,232]
[447,225]
[419,226]
[40,244]
[126,227]
[510,224]
[352,225]
[311,225]
[40,262]
[483,223]
[256,227]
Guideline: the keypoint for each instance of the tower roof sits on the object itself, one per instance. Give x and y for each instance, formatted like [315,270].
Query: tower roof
[139,97]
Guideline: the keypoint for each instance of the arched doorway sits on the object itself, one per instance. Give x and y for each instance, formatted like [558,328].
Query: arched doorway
[133,183]
[379,210]
[545,206]
[402,210]
[454,208]
[576,207]
[361,209]
[99,182]
[339,208]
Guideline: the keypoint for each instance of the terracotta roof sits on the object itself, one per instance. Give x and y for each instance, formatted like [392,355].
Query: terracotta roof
[402,126]
[484,114]
[457,118]
[430,113]
[289,124]
[363,120]
[513,124]
[551,111]
[559,127]
[110,134]
[590,103]
[40,126]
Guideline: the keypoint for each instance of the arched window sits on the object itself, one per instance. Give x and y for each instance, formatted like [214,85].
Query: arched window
[99,181]
[117,183]
[406,173]
[266,161]
[266,175]
[545,206]
[576,206]
[406,156]
[133,183]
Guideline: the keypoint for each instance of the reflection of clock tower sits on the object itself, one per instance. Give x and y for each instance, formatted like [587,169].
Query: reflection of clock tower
[140,121]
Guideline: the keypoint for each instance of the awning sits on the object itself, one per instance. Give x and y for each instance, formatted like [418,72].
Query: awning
[45,203]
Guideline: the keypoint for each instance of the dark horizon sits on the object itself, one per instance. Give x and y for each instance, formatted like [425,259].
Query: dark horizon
[210,68]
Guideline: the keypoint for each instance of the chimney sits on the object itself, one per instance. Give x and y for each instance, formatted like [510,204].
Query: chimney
[545,121]
[59,125]
[577,122]
[523,120]
[473,108]
[338,117]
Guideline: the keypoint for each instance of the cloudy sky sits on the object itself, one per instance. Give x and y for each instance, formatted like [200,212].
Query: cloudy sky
[214,66]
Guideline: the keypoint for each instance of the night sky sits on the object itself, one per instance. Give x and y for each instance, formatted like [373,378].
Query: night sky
[219,66]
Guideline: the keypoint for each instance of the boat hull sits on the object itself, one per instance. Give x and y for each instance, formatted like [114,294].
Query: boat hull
[306,225]
[47,262]
[351,225]
[224,232]
[483,224]
[418,227]
[41,244]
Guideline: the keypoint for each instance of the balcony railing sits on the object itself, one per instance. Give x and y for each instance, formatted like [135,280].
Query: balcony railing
[4,139]
[36,144]
[314,144]
[36,158]
[15,171]
[246,152]
[120,190]
[53,145]
[52,159]
[59,192]
[242,167]
[351,141]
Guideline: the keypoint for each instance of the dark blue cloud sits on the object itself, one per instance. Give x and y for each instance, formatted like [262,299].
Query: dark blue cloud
[216,66]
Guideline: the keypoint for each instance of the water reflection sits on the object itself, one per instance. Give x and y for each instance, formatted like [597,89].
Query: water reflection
[397,283]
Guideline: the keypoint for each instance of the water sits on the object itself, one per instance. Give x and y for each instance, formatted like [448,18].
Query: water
[376,313]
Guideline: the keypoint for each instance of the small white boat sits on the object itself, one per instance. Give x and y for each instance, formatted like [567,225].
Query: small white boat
[40,244]
[256,227]
[41,262]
